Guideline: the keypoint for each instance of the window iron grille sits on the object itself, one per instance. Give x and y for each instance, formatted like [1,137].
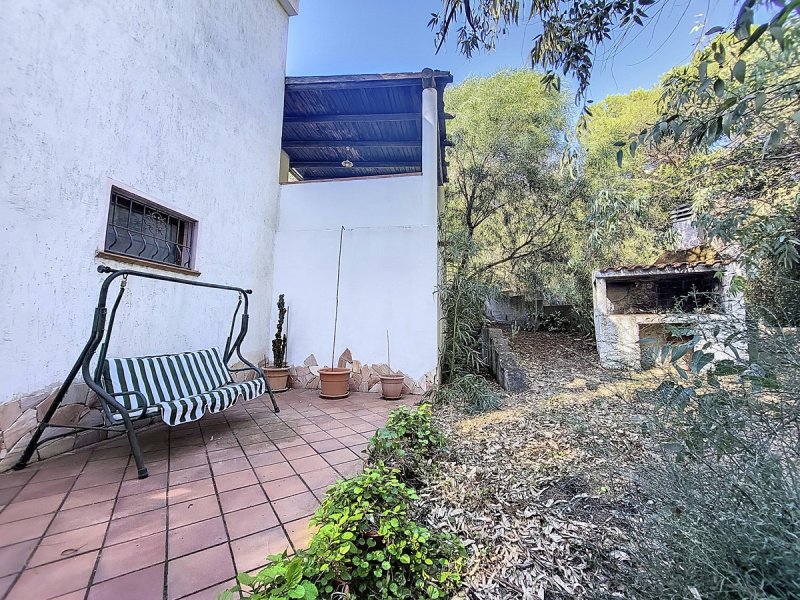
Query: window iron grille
[139,228]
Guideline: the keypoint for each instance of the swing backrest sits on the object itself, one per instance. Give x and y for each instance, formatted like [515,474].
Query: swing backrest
[165,378]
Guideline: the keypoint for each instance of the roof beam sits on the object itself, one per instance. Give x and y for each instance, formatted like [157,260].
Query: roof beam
[342,82]
[408,116]
[362,164]
[294,144]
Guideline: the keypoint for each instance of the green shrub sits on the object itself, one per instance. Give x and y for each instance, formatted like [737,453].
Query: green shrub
[722,511]
[282,579]
[406,441]
[368,543]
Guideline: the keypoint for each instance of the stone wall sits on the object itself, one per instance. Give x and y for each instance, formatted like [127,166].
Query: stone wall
[502,362]
[365,378]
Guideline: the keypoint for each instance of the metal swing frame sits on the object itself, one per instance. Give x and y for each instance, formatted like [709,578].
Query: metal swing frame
[102,326]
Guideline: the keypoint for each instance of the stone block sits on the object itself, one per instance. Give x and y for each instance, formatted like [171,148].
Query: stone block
[85,438]
[382,369]
[92,418]
[375,389]
[311,360]
[68,415]
[25,424]
[356,366]
[9,412]
[13,454]
[374,378]
[313,383]
[34,400]
[345,359]
[56,447]
[314,369]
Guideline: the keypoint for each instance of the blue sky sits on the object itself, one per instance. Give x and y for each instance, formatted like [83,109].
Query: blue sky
[334,37]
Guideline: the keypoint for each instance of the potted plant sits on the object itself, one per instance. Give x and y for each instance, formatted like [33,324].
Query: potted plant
[334,382]
[278,373]
[391,385]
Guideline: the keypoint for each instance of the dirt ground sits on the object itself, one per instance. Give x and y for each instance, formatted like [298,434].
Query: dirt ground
[542,489]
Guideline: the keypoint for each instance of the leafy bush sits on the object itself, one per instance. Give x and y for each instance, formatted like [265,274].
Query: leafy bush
[368,543]
[724,497]
[283,579]
[406,440]
[367,546]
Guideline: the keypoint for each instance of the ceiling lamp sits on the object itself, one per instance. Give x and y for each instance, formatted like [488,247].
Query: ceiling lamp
[347,164]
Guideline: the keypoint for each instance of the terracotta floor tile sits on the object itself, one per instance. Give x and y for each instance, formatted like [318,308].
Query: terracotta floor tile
[340,456]
[185,461]
[133,505]
[213,592]
[300,532]
[299,451]
[92,495]
[139,585]
[353,439]
[5,584]
[226,454]
[191,490]
[193,511]
[54,579]
[282,488]
[327,445]
[33,491]
[230,466]
[276,471]
[25,529]
[136,526]
[320,477]
[250,520]
[198,571]
[197,536]
[254,449]
[99,477]
[232,481]
[131,556]
[350,468]
[16,478]
[308,463]
[82,516]
[142,486]
[191,474]
[63,545]
[316,436]
[25,509]
[295,507]
[13,558]
[242,498]
[251,552]
[266,458]
[8,494]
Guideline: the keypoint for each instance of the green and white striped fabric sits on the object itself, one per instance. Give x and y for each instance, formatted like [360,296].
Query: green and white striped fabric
[181,386]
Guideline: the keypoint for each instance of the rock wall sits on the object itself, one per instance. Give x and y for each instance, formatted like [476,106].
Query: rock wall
[365,378]
[502,362]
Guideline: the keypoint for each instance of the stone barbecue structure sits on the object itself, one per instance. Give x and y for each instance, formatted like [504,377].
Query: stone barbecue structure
[685,293]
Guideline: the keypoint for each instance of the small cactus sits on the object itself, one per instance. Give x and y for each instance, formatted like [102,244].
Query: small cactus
[279,343]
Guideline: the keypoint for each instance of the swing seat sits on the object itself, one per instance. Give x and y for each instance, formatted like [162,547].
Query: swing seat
[181,387]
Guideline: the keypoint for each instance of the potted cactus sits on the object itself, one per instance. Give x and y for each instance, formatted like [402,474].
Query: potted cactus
[278,373]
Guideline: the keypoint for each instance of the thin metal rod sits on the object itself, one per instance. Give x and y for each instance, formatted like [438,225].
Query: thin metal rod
[338,276]
[388,356]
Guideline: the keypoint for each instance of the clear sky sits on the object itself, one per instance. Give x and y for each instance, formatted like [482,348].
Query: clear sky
[334,37]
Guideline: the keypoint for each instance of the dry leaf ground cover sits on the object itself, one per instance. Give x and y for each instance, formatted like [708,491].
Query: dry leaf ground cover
[541,490]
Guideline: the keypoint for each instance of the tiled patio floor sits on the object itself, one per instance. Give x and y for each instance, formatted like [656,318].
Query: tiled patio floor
[223,493]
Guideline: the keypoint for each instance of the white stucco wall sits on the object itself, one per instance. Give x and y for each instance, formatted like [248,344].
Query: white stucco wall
[388,274]
[181,101]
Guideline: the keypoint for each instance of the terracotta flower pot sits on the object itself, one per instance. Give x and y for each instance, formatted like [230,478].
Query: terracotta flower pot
[335,382]
[392,386]
[278,378]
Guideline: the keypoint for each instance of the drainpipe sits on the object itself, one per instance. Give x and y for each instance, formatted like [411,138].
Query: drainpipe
[430,177]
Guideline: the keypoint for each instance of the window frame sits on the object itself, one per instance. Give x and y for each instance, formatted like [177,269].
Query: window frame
[116,190]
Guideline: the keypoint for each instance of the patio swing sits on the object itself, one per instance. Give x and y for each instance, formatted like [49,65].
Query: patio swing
[179,387]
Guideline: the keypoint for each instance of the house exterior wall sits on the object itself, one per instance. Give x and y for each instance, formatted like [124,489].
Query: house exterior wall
[388,274]
[177,101]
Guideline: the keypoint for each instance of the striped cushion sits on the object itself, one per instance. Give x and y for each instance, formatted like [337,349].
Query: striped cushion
[183,385]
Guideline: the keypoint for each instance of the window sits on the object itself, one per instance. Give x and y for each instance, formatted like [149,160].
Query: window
[138,228]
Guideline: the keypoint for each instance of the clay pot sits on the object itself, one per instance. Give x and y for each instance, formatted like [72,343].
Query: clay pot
[392,386]
[278,378]
[335,382]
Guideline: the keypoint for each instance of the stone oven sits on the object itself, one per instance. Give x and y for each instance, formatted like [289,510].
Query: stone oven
[639,308]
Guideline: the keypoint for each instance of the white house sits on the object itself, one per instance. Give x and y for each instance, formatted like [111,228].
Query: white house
[153,135]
